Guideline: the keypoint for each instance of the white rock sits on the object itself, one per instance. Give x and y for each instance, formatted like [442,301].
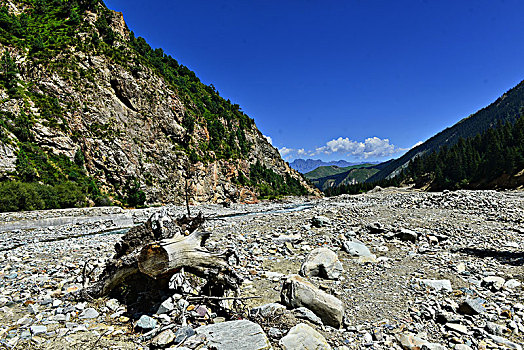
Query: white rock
[303,337]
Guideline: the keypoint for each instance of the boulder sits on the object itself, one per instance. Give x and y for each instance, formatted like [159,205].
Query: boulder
[409,341]
[235,335]
[322,262]
[303,337]
[320,221]
[297,292]
[407,235]
[356,248]
[437,285]
[268,310]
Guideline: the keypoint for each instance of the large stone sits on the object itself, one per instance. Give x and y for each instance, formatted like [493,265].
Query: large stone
[411,342]
[505,342]
[472,306]
[322,262]
[303,337]
[88,314]
[268,310]
[407,235]
[495,283]
[297,292]
[235,335]
[356,248]
[163,339]
[320,221]
[145,322]
[437,285]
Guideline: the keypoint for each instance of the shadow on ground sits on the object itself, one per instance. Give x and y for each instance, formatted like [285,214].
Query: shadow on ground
[504,257]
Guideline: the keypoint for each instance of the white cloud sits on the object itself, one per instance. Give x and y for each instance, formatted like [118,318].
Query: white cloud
[269,139]
[284,151]
[301,152]
[371,147]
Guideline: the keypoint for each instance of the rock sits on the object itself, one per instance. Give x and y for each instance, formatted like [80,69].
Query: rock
[36,330]
[183,333]
[306,314]
[166,306]
[322,262]
[496,329]
[438,285]
[462,347]
[88,314]
[163,339]
[512,284]
[112,304]
[297,292]
[495,283]
[356,248]
[320,221]
[457,327]
[268,310]
[472,306]
[504,341]
[407,235]
[303,337]
[411,342]
[146,323]
[235,335]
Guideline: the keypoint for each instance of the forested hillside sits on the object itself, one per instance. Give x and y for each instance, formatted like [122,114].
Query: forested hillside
[493,159]
[505,109]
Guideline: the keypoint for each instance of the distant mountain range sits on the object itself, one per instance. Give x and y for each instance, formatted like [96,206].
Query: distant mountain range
[306,165]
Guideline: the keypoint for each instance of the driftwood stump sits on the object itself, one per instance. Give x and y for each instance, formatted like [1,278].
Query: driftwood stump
[149,254]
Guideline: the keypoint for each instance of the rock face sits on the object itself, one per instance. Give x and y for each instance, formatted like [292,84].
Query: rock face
[322,262]
[235,335]
[132,123]
[297,292]
[303,337]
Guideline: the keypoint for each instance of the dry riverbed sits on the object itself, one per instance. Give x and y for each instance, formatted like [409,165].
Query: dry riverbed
[443,270]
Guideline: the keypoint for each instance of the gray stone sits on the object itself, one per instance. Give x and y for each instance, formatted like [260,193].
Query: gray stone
[303,337]
[457,327]
[512,284]
[163,339]
[183,333]
[297,292]
[112,304]
[411,342]
[268,310]
[407,235]
[306,314]
[320,221]
[472,306]
[438,285]
[88,313]
[462,347]
[495,283]
[356,248]
[36,330]
[496,329]
[504,341]
[235,335]
[322,262]
[146,322]
[166,307]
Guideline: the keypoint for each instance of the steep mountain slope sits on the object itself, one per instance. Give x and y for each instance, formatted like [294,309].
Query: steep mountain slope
[84,101]
[505,108]
[306,165]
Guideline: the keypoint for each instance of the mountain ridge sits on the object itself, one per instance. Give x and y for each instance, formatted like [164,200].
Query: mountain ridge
[77,83]
[505,108]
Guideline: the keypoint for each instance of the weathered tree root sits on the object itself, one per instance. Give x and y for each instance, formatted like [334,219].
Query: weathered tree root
[154,251]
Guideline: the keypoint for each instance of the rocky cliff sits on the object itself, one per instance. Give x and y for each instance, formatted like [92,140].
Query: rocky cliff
[78,86]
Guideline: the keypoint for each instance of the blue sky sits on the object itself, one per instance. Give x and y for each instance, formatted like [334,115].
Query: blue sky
[354,80]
